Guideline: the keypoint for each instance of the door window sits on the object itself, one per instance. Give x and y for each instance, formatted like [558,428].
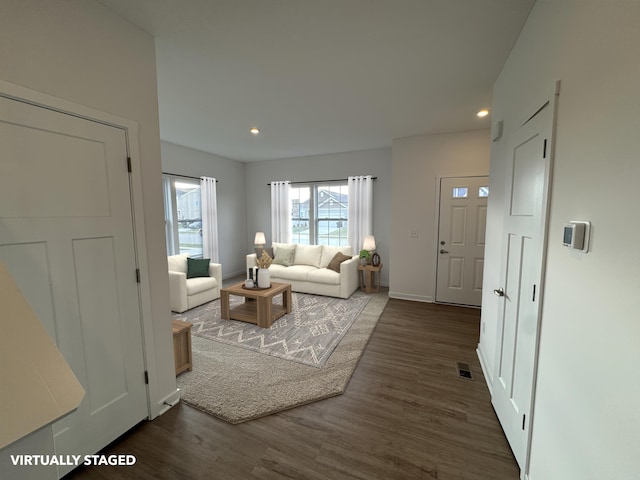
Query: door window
[460,192]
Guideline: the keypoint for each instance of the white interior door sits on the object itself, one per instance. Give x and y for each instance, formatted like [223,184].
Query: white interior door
[66,235]
[528,173]
[461,234]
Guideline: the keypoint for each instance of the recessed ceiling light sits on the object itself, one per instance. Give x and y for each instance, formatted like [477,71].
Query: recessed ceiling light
[483,113]
[254,131]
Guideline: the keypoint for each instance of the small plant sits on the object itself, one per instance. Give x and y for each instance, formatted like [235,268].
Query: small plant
[365,256]
[264,261]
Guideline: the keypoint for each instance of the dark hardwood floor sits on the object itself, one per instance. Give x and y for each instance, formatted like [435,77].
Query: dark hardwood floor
[405,415]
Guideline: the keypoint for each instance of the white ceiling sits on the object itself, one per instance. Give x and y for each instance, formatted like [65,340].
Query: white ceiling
[322,76]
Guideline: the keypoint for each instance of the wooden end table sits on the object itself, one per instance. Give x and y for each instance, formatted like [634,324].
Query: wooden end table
[182,345]
[258,304]
[367,284]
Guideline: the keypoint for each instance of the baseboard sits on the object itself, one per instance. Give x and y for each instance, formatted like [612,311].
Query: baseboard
[169,401]
[488,378]
[412,297]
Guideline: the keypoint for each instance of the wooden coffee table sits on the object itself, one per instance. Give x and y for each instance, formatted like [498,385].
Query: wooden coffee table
[258,304]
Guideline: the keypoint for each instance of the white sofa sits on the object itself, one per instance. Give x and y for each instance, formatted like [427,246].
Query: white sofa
[308,272]
[186,293]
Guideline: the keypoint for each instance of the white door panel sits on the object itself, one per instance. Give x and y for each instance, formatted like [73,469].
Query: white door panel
[478,271]
[524,233]
[458,226]
[462,226]
[481,225]
[66,234]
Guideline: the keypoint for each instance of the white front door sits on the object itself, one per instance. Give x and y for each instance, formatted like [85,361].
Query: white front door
[66,235]
[524,231]
[461,233]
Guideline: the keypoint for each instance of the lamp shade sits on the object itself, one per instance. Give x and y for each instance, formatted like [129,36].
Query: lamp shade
[369,243]
[260,240]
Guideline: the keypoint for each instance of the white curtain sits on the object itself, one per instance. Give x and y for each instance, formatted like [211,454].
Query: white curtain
[360,210]
[280,212]
[171,230]
[209,219]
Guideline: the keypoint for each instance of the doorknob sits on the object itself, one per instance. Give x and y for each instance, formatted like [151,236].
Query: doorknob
[499,292]
[444,251]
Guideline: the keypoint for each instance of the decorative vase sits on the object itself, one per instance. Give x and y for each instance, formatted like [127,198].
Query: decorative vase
[264,278]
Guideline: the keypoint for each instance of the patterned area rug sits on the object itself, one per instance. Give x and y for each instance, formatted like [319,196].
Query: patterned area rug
[238,384]
[307,335]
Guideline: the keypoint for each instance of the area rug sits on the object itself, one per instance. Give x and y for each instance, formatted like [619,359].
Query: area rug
[308,334]
[238,384]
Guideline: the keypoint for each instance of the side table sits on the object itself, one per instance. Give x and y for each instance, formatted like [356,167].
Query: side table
[368,284]
[182,345]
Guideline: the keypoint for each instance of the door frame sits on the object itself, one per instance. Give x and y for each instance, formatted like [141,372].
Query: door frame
[436,226]
[550,96]
[130,129]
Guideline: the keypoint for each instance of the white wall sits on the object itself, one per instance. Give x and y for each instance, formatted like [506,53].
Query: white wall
[418,164]
[79,51]
[586,422]
[230,190]
[322,167]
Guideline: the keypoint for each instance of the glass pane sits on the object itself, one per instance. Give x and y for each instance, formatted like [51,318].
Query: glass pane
[460,192]
[483,191]
[300,207]
[332,208]
[189,217]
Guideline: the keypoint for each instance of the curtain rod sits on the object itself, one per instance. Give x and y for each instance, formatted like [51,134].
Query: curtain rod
[323,181]
[182,176]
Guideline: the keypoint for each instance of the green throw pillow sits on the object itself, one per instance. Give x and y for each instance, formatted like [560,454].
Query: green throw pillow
[198,267]
[284,255]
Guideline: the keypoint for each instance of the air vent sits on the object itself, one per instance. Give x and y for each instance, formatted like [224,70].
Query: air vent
[464,371]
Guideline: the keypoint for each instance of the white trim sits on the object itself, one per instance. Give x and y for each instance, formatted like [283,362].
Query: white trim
[412,297]
[169,401]
[488,377]
[23,94]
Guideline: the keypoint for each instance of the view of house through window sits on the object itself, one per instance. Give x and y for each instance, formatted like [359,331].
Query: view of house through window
[319,213]
[184,220]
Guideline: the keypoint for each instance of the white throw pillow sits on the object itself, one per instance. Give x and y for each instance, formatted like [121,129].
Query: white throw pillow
[308,255]
[276,245]
[177,263]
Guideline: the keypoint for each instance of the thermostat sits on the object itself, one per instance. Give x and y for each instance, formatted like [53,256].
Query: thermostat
[576,235]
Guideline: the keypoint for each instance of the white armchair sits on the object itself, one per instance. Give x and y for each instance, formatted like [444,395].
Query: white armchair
[186,293]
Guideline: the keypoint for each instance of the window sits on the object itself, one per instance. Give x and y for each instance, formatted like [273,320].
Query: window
[183,216]
[483,192]
[300,218]
[319,214]
[460,192]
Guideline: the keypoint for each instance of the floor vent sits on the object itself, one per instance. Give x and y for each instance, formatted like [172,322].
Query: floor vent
[464,371]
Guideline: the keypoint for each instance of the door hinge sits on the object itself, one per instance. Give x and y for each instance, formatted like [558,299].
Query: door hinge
[146,377]
[523,420]
[544,149]
[534,294]
[129,164]
[137,275]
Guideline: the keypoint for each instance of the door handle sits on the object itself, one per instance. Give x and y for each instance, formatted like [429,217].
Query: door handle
[444,251]
[499,292]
